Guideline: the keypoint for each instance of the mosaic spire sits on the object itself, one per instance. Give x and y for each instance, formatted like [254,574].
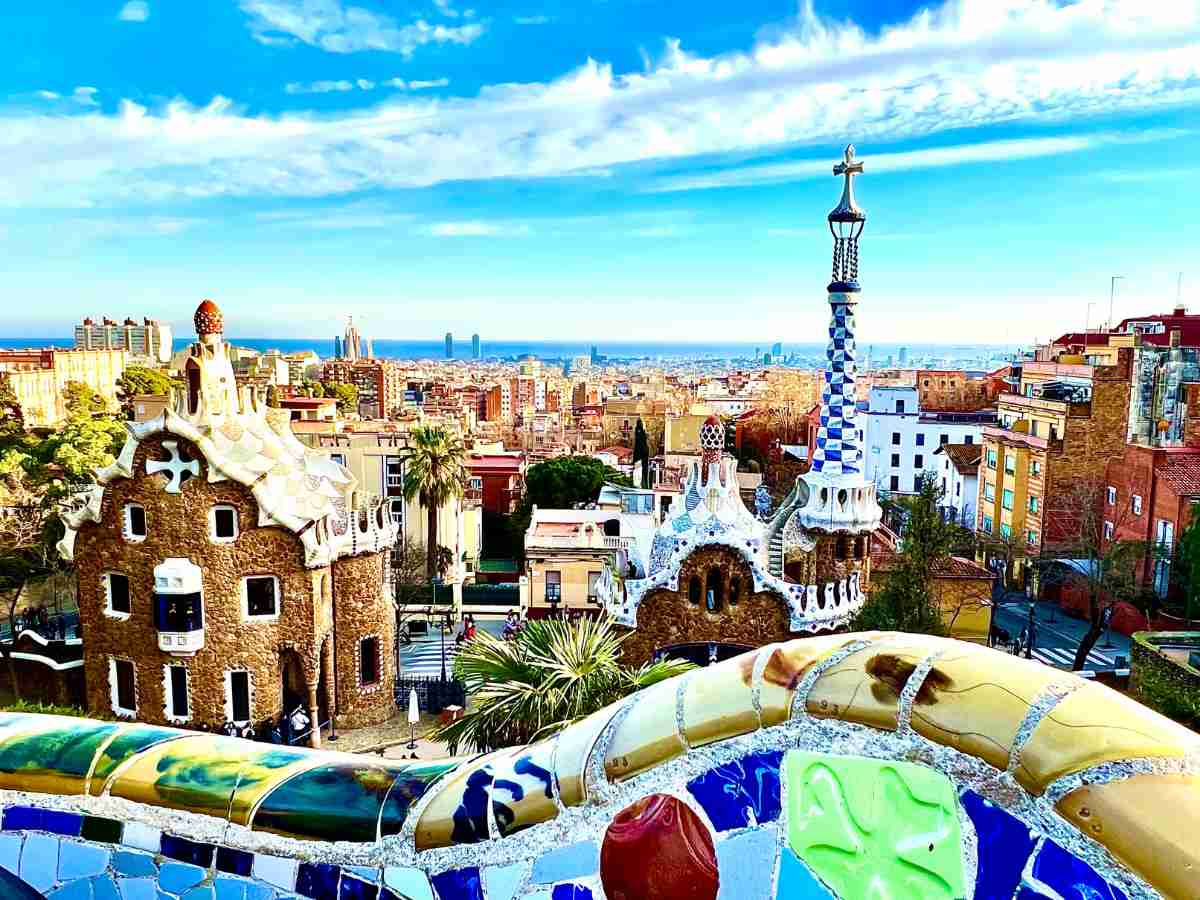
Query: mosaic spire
[839,441]
[840,499]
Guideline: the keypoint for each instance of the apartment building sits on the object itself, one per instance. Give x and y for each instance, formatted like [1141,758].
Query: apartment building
[148,342]
[381,384]
[901,437]
[957,469]
[1053,439]
[38,376]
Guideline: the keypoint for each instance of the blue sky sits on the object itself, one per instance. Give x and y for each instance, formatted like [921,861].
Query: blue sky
[596,169]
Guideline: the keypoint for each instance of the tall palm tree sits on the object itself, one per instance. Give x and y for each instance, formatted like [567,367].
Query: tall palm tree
[437,473]
[551,674]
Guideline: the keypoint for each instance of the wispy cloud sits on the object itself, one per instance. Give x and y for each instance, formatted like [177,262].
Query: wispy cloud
[363,84]
[657,231]
[966,64]
[134,11]
[338,28]
[532,20]
[318,87]
[82,95]
[343,217]
[476,229]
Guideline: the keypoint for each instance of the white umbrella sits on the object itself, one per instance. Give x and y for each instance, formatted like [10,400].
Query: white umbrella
[414,716]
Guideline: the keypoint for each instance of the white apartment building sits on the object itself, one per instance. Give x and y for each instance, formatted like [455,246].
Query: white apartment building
[901,440]
[957,468]
[147,342]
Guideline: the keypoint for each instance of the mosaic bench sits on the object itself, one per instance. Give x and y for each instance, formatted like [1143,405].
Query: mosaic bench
[854,766]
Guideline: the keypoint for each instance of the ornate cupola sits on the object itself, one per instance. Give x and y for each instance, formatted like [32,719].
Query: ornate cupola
[840,498]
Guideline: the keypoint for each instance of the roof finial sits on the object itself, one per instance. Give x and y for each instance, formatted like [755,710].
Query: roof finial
[846,221]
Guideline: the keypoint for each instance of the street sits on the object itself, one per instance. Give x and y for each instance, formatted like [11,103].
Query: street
[1058,635]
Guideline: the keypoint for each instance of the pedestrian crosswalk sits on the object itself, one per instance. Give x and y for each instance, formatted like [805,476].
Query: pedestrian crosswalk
[425,658]
[1064,658]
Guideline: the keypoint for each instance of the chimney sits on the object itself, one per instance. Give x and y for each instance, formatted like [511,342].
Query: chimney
[1180,311]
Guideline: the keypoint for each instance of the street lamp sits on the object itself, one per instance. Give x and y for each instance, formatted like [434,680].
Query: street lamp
[444,623]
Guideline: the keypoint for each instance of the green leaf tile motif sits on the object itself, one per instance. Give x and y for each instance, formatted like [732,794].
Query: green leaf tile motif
[875,829]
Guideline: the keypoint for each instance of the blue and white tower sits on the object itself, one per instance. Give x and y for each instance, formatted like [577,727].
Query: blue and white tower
[840,498]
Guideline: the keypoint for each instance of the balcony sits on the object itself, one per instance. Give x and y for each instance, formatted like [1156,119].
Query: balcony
[617,543]
[1016,438]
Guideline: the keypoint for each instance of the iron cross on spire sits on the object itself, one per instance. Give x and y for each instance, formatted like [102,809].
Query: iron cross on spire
[847,210]
[848,166]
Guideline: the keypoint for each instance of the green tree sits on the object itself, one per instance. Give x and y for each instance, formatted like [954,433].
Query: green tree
[641,453]
[12,419]
[81,401]
[137,380]
[1186,569]
[437,473]
[565,482]
[906,601]
[553,673]
[314,389]
[346,394]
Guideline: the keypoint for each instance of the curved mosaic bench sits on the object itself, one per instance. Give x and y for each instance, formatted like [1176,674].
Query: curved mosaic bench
[852,766]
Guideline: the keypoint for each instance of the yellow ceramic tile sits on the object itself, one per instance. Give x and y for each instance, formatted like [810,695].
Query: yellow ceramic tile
[975,700]
[865,686]
[263,769]
[1151,823]
[571,752]
[717,701]
[787,665]
[648,736]
[523,791]
[458,814]
[197,774]
[49,754]
[1096,725]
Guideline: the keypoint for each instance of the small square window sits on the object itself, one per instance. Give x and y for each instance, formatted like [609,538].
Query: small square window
[921,440]
[368,661]
[262,596]
[224,524]
[895,460]
[135,522]
[918,461]
[1108,531]
[116,594]
[1033,503]
[969,439]
[1137,505]
[177,692]
[238,696]
[1111,495]
[896,438]
[894,483]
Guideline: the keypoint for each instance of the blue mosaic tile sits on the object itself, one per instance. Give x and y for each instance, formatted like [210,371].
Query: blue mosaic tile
[10,851]
[80,860]
[143,837]
[204,892]
[458,884]
[570,892]
[366,873]
[76,890]
[1004,845]
[740,793]
[235,862]
[137,888]
[230,889]
[29,818]
[796,882]
[126,862]
[177,877]
[187,851]
[277,870]
[566,863]
[103,888]
[101,830]
[471,817]
[357,889]
[39,861]
[747,865]
[411,883]
[502,881]
[318,881]
[258,892]
[1056,873]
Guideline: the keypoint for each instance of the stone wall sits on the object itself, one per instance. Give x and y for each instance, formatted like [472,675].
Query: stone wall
[669,617]
[178,526]
[1169,686]
[363,610]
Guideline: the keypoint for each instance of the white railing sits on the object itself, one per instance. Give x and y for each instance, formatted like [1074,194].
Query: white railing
[617,543]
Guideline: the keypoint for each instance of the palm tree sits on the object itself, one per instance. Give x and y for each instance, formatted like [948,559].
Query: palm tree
[552,673]
[437,473]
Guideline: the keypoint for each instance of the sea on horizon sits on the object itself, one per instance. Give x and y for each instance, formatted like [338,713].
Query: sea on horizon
[562,350]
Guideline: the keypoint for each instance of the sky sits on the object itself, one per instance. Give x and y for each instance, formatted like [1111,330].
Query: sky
[635,169]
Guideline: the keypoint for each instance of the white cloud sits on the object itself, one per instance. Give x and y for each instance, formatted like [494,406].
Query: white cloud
[336,28]
[423,85]
[475,229]
[85,96]
[532,20]
[365,85]
[48,95]
[134,11]
[966,64]
[318,87]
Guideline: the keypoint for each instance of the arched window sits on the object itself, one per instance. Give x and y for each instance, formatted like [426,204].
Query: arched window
[735,588]
[193,385]
[612,528]
[860,547]
[714,594]
[694,590]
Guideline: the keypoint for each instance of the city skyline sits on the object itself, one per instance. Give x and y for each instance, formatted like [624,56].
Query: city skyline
[589,171]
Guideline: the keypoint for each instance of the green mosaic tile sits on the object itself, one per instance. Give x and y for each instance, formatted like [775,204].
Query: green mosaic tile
[49,753]
[340,801]
[874,828]
[133,739]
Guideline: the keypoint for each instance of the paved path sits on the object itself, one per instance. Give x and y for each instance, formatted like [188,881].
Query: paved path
[424,657]
[1059,634]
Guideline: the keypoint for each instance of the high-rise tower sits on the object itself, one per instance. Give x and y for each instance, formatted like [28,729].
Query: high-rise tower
[449,345]
[840,498]
[475,349]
